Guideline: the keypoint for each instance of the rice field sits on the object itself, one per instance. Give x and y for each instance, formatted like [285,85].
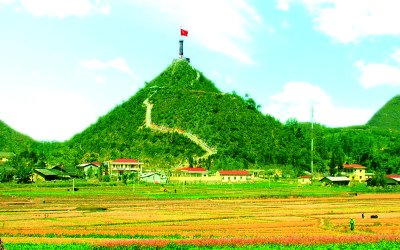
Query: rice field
[116,215]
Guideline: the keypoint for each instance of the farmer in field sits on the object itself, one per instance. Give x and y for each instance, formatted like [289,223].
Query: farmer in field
[351,224]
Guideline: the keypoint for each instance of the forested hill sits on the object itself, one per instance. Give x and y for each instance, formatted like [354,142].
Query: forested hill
[13,141]
[181,101]
[387,117]
[185,100]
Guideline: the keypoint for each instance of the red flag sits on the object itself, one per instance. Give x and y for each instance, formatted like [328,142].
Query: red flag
[184,32]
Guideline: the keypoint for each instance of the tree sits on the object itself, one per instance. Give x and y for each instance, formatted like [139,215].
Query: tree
[106,178]
[124,178]
[332,165]
[5,175]
[379,179]
[90,172]
[191,162]
[24,174]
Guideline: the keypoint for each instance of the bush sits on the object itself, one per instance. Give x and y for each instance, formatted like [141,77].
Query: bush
[106,178]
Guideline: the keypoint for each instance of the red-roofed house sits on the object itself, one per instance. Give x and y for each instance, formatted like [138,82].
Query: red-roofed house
[355,172]
[394,177]
[193,172]
[234,175]
[126,166]
[193,175]
[95,166]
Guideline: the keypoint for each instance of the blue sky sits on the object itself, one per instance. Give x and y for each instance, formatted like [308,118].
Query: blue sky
[66,62]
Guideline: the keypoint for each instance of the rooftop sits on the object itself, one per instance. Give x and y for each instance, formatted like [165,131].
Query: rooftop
[352,166]
[126,161]
[336,178]
[234,172]
[193,169]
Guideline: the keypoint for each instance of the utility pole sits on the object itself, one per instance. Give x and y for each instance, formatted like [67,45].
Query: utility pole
[312,138]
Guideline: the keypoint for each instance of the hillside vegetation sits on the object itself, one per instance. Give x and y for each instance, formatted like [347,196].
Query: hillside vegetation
[184,100]
[388,116]
[14,141]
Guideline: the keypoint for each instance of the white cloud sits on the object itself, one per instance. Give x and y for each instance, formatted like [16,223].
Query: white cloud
[92,64]
[6,1]
[348,21]
[215,73]
[283,4]
[298,97]
[63,8]
[50,115]
[120,64]
[373,75]
[36,74]
[228,80]
[396,56]
[217,25]
[302,93]
[99,79]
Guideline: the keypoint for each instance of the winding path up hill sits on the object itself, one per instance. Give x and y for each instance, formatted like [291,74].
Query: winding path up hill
[193,138]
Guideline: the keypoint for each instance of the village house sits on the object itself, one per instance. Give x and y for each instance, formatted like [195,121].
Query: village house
[124,166]
[45,175]
[153,177]
[95,166]
[340,181]
[192,175]
[234,176]
[66,171]
[395,179]
[355,172]
[306,179]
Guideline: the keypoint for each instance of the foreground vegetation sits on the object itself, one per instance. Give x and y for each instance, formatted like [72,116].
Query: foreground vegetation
[354,246]
[263,215]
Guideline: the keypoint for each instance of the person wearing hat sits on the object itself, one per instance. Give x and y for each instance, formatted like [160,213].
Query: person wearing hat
[351,224]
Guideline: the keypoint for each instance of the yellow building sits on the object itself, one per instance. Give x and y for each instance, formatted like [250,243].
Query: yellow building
[193,175]
[124,166]
[234,175]
[355,172]
[305,179]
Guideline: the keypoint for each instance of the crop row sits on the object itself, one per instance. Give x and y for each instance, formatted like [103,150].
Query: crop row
[173,246]
[241,241]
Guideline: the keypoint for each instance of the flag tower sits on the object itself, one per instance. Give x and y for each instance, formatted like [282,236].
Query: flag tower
[183,33]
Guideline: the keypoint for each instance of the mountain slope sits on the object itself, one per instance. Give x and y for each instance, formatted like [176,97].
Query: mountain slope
[388,116]
[185,102]
[13,141]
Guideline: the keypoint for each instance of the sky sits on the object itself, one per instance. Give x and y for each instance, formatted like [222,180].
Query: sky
[65,63]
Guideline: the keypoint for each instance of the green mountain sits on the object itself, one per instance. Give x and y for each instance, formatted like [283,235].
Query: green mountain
[14,141]
[180,117]
[388,116]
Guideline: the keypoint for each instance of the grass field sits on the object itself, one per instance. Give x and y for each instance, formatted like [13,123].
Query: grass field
[247,213]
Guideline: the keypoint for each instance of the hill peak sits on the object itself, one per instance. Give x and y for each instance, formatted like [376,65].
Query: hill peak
[180,74]
[388,116]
